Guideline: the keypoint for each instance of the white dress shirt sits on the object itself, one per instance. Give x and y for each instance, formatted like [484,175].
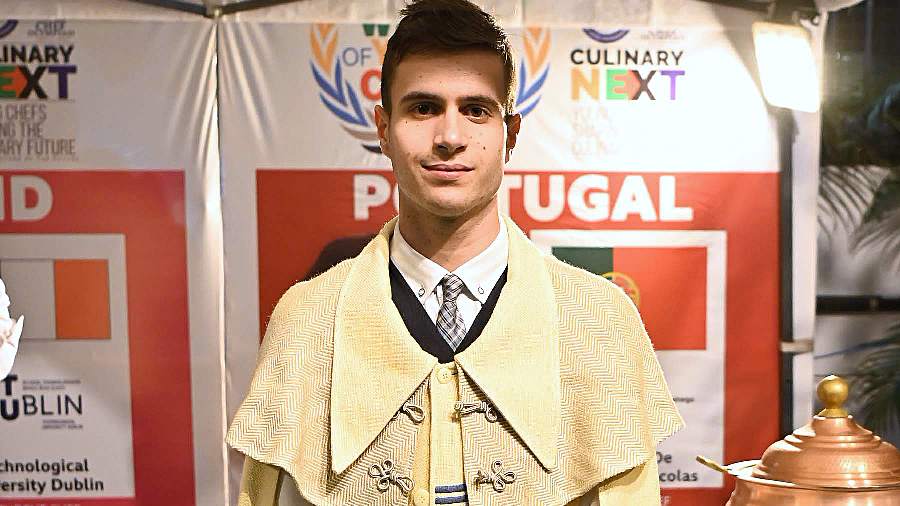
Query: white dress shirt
[479,275]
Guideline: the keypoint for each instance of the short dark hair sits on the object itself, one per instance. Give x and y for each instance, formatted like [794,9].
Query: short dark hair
[439,26]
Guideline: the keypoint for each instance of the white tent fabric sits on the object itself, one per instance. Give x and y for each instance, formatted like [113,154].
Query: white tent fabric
[515,13]
[525,11]
[510,12]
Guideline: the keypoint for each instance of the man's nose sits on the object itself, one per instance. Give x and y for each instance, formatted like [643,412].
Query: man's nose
[449,137]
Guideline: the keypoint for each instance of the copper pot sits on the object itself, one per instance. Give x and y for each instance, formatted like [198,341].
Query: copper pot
[829,461]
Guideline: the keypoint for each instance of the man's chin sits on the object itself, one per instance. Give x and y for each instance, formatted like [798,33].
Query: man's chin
[445,204]
[455,210]
[449,212]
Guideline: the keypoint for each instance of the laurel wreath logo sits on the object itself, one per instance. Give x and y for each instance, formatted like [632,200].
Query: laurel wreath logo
[535,63]
[342,98]
[7,27]
[337,94]
[605,37]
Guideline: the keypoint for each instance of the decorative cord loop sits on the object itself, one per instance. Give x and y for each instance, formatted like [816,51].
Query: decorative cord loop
[414,412]
[465,408]
[384,474]
[498,478]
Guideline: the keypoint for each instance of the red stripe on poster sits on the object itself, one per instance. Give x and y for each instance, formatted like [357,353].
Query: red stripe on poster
[671,289]
[82,299]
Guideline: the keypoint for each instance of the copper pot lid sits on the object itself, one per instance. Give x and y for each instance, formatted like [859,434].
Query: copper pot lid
[832,450]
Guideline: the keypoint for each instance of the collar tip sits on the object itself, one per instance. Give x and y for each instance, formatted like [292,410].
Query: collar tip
[549,463]
[345,452]
[338,464]
[341,455]
[547,453]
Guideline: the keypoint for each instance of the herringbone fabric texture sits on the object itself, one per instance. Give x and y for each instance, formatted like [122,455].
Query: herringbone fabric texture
[284,419]
[614,405]
[449,320]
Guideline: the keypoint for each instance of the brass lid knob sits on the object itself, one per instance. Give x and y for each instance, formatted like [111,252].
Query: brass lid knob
[833,391]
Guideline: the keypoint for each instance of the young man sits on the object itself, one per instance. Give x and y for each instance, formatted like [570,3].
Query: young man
[451,362]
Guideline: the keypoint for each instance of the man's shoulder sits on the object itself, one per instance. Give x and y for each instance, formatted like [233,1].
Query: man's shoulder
[306,310]
[596,306]
[323,289]
[576,283]
[292,369]
[605,348]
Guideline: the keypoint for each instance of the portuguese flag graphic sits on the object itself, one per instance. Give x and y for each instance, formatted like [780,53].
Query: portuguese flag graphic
[668,286]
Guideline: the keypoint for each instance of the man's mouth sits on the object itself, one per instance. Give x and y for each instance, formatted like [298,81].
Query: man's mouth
[446,167]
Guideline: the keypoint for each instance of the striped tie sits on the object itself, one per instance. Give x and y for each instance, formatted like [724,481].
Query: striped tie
[449,321]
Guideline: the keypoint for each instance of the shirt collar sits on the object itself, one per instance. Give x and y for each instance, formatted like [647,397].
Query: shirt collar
[515,361]
[479,274]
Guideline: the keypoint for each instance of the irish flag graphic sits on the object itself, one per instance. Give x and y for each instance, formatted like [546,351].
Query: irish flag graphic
[69,286]
[65,299]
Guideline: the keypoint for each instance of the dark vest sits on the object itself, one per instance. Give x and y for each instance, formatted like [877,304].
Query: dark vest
[423,330]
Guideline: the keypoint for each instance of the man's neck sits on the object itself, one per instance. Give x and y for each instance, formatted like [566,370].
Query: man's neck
[450,242]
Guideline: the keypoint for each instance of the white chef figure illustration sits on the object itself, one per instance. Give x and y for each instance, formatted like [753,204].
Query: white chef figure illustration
[9,334]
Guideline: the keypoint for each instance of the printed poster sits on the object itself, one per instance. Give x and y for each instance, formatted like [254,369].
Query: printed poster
[98,205]
[103,359]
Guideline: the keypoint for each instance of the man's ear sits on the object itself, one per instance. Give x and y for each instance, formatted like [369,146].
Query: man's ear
[513,123]
[381,122]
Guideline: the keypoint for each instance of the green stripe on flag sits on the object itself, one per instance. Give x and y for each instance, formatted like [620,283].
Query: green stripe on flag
[596,260]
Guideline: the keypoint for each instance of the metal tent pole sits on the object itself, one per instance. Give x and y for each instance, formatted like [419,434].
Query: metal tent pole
[786,133]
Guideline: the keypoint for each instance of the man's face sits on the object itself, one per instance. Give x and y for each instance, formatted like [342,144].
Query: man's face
[446,135]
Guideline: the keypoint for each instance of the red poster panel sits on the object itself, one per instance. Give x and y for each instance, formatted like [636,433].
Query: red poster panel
[309,220]
[675,321]
[102,382]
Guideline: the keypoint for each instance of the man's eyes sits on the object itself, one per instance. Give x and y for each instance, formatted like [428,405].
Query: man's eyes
[474,111]
[424,109]
[477,111]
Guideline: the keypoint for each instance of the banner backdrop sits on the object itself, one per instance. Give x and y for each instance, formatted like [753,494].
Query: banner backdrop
[646,155]
[103,156]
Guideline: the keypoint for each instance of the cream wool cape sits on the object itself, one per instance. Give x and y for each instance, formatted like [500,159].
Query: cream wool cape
[564,359]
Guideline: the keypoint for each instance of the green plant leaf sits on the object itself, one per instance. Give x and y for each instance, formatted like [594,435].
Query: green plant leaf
[885,199]
[875,386]
[845,193]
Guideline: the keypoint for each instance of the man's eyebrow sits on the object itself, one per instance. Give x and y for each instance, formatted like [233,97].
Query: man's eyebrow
[431,97]
[482,99]
[420,95]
